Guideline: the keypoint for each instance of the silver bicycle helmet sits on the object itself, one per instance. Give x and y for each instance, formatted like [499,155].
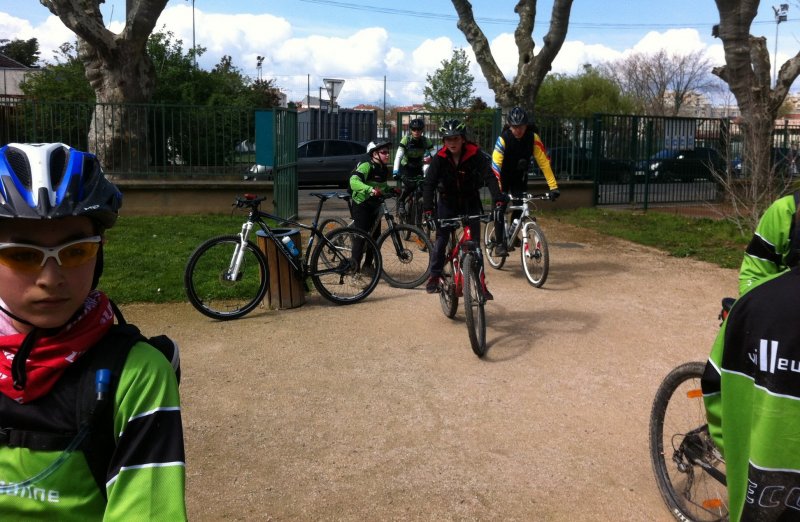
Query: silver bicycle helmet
[452,128]
[378,145]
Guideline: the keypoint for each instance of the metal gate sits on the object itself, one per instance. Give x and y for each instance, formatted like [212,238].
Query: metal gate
[276,142]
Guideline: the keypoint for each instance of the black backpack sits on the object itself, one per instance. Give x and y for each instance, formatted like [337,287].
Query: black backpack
[94,416]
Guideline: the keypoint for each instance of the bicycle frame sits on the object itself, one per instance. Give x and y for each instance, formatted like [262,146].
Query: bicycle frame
[463,245]
[257,216]
[525,207]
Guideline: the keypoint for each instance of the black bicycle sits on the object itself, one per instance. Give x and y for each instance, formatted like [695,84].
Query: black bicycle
[227,277]
[413,207]
[405,249]
[689,469]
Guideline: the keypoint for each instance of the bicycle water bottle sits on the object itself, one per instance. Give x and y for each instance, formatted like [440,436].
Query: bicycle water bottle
[514,223]
[290,245]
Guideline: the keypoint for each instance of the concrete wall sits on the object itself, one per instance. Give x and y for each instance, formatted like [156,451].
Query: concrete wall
[176,198]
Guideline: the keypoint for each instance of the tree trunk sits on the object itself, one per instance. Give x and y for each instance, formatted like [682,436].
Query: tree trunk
[531,69]
[747,73]
[121,74]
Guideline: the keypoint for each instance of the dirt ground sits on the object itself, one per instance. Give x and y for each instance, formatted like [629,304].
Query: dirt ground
[380,410]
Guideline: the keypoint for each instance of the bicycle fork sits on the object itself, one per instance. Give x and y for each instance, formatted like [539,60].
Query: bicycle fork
[233,273]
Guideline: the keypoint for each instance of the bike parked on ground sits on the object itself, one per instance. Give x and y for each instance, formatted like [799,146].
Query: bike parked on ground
[227,276]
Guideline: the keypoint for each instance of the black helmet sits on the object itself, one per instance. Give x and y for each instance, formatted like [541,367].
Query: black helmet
[452,128]
[53,180]
[517,116]
[416,124]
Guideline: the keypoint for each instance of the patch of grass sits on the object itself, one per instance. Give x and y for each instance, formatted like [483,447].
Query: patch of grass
[714,241]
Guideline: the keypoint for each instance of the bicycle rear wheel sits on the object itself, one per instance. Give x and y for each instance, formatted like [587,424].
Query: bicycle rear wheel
[210,287]
[448,298]
[488,244]
[406,255]
[336,275]
[473,304]
[331,224]
[681,447]
[534,253]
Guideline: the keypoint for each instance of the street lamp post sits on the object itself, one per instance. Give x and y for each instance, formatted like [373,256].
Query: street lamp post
[780,16]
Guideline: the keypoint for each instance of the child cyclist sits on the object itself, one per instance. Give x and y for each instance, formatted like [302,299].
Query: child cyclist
[457,173]
[413,152]
[55,205]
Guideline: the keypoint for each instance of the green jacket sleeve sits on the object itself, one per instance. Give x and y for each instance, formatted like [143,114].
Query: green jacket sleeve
[360,187]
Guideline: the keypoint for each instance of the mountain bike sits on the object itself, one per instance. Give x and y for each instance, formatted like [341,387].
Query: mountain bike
[526,234]
[462,276]
[405,249]
[413,210]
[689,469]
[227,276]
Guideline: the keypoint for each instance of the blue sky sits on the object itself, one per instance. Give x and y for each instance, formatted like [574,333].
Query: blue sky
[307,40]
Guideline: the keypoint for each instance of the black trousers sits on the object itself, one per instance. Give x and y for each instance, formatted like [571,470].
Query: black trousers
[364,216]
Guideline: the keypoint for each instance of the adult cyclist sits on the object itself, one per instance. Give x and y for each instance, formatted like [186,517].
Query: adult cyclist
[414,151]
[517,143]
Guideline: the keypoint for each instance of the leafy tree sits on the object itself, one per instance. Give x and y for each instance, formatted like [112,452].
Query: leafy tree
[450,88]
[747,73]
[661,82]
[64,80]
[531,69]
[581,96]
[25,52]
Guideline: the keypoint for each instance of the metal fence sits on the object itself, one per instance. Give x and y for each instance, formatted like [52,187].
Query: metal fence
[632,160]
[183,142]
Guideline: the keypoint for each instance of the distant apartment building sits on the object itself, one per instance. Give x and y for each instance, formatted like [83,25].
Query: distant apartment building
[12,73]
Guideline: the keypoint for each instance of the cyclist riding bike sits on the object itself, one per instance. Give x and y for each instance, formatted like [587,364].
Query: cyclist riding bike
[517,143]
[55,329]
[457,172]
[367,184]
[414,151]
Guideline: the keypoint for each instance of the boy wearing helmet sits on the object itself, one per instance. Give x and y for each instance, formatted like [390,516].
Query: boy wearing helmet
[457,173]
[515,146]
[55,205]
[367,183]
[414,151]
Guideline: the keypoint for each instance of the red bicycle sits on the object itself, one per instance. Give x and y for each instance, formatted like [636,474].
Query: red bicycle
[461,277]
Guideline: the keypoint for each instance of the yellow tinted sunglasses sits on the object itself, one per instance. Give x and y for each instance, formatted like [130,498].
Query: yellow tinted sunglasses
[31,258]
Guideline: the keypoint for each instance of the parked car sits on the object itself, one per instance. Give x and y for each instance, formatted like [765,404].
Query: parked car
[780,163]
[576,163]
[320,162]
[682,165]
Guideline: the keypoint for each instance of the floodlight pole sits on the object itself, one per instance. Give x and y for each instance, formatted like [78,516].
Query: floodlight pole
[781,15]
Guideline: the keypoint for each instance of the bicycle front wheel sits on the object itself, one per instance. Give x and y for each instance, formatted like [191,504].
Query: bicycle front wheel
[406,255]
[473,304]
[488,247]
[336,275]
[689,469]
[534,252]
[211,286]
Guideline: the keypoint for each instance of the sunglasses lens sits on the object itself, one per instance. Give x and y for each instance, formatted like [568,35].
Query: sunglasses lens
[29,259]
[21,258]
[78,254]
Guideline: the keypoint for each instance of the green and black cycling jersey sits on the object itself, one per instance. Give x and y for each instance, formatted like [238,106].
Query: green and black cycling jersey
[367,176]
[771,250]
[411,152]
[146,475]
[752,395]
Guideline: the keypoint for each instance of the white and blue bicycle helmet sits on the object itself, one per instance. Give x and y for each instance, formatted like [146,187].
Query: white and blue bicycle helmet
[53,180]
